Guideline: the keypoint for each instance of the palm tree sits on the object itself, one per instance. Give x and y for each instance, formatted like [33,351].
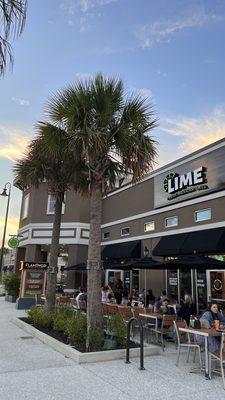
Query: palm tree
[12,17]
[49,159]
[111,133]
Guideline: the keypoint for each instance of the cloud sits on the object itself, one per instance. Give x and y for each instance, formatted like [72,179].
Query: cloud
[163,30]
[143,92]
[79,12]
[12,226]
[21,102]
[161,73]
[13,142]
[195,133]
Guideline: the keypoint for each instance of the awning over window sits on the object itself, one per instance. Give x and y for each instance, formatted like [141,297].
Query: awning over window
[122,250]
[209,241]
[169,245]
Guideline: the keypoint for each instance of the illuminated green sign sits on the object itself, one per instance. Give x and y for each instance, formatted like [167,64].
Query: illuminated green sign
[178,185]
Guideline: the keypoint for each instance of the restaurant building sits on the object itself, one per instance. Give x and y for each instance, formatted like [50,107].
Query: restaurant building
[178,209]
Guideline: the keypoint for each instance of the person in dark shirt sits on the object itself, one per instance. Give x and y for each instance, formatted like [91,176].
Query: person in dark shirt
[149,297]
[187,309]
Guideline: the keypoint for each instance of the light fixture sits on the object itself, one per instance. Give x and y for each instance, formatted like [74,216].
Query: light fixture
[4,193]
[146,251]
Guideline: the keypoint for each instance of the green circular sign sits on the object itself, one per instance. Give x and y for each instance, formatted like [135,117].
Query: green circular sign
[13,242]
[171,175]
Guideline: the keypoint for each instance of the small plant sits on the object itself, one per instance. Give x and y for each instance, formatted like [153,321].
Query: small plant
[60,318]
[12,284]
[76,329]
[119,327]
[40,317]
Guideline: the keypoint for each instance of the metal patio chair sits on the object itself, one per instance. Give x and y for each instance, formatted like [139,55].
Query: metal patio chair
[219,356]
[184,341]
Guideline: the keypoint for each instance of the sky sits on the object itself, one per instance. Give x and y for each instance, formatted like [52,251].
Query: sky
[171,52]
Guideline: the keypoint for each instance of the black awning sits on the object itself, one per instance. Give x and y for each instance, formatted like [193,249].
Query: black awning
[170,245]
[122,250]
[208,241]
[194,261]
[78,267]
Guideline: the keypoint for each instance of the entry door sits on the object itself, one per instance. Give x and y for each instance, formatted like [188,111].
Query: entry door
[200,290]
[216,285]
[112,275]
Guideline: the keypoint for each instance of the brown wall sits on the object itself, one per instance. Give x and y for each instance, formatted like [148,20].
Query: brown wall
[76,207]
[185,219]
[134,200]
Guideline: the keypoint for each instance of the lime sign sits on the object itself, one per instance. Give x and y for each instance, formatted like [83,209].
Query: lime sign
[13,242]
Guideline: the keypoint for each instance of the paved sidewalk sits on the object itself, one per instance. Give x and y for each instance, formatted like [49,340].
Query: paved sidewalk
[31,370]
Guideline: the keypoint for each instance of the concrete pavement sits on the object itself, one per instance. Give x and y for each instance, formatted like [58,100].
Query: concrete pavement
[31,370]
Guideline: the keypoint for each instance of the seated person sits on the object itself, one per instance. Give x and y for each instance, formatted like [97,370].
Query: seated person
[211,315]
[187,309]
[149,297]
[158,303]
[110,298]
[165,309]
[82,296]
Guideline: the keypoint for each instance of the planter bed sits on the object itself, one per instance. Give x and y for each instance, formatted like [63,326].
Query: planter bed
[78,356]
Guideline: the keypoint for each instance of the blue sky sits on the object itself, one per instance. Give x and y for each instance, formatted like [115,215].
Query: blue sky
[172,51]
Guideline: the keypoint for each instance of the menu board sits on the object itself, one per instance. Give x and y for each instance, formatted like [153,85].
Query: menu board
[33,279]
[34,283]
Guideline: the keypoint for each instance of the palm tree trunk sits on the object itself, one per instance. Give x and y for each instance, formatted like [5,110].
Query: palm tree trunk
[54,249]
[94,305]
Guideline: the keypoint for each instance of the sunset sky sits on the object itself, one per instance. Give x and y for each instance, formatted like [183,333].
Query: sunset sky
[171,51]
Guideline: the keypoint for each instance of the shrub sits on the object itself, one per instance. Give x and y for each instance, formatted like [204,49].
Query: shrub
[119,327]
[40,317]
[95,338]
[61,316]
[12,284]
[76,329]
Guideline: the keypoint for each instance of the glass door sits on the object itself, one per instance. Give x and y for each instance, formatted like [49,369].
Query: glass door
[216,285]
[112,275]
[186,283]
[200,290]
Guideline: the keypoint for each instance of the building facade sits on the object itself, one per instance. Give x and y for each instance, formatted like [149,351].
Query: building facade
[177,209]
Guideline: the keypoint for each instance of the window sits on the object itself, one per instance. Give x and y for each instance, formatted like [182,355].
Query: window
[25,206]
[105,235]
[51,205]
[202,215]
[125,231]
[171,221]
[149,226]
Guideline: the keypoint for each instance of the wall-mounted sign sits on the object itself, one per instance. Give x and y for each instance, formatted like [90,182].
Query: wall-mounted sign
[189,179]
[217,284]
[200,283]
[13,242]
[173,281]
[33,265]
[178,185]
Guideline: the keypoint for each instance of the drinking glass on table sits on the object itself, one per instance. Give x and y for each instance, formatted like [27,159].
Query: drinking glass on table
[216,324]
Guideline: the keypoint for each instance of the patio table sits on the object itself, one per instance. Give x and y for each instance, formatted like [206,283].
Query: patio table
[205,333]
[154,315]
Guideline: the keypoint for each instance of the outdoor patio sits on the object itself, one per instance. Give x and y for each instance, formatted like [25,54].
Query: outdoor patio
[34,370]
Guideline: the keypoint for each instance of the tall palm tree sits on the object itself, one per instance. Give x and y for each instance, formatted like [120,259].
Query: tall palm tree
[111,133]
[12,18]
[49,159]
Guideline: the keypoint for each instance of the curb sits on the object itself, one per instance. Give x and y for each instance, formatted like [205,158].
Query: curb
[80,358]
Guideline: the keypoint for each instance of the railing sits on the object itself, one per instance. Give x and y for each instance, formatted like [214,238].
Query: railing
[141,342]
